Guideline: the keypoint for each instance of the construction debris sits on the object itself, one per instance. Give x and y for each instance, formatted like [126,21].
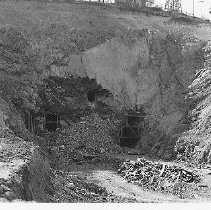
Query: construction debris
[87,140]
[91,132]
[157,176]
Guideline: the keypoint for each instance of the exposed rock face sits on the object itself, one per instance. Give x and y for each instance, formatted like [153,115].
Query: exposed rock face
[143,68]
[194,145]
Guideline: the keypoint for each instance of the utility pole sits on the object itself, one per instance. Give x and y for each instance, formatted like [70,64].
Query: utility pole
[193,7]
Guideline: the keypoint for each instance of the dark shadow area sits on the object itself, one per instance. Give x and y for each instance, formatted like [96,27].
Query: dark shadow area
[51,122]
[133,120]
[91,95]
[130,131]
[129,142]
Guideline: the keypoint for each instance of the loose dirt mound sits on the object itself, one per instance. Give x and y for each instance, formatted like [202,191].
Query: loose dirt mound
[88,140]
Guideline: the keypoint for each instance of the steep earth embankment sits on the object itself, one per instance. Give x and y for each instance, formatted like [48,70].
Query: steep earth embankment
[25,172]
[194,145]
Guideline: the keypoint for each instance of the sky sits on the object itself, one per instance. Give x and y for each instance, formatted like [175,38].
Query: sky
[201,7]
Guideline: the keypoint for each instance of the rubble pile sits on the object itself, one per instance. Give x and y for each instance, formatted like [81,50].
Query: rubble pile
[71,187]
[158,176]
[92,132]
[85,140]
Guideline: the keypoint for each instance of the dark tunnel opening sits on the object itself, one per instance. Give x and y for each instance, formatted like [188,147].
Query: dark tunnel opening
[130,131]
[51,122]
[91,95]
[132,127]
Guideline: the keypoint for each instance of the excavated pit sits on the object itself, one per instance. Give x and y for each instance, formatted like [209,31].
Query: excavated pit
[81,109]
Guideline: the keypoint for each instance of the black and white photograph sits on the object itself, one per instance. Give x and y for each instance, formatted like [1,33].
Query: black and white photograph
[105,103]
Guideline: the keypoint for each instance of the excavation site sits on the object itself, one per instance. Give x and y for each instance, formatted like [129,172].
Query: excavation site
[104,103]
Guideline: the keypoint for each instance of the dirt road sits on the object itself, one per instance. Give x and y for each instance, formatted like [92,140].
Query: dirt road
[118,186]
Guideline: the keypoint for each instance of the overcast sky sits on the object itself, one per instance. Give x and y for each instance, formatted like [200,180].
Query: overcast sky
[201,7]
